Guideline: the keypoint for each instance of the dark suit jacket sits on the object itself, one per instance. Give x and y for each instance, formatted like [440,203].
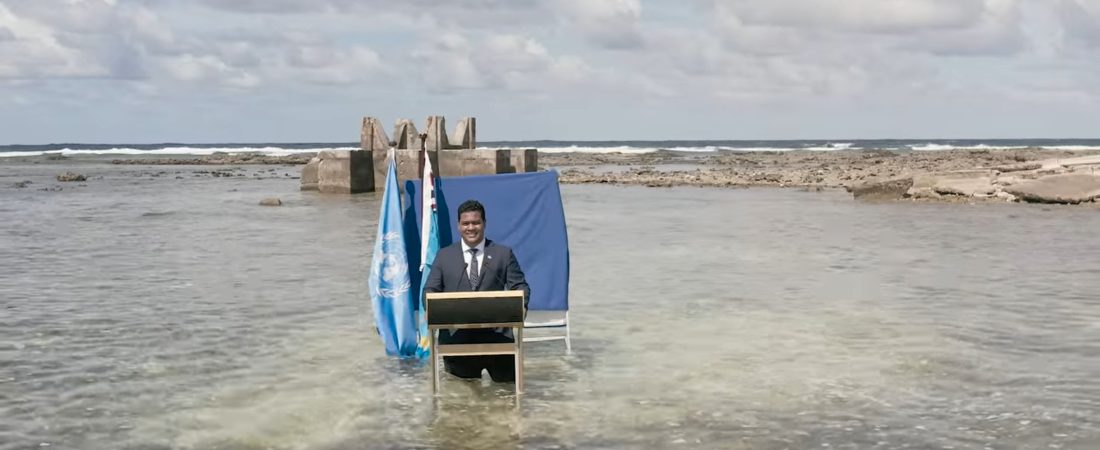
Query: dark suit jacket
[500,271]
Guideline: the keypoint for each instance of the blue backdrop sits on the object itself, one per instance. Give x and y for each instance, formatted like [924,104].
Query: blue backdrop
[523,211]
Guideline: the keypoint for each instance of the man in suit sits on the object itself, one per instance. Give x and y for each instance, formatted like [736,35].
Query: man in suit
[477,264]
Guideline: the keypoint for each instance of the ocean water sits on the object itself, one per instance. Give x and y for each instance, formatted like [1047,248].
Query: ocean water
[160,307]
[568,146]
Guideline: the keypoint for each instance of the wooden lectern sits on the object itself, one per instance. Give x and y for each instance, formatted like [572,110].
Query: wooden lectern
[485,309]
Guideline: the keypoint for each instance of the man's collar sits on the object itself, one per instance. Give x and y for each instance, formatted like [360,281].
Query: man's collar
[480,246]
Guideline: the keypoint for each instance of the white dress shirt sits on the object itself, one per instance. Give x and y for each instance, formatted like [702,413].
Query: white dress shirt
[480,256]
[480,266]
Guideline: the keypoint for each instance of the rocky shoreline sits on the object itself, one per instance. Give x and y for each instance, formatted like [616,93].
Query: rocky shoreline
[1031,175]
[219,159]
[983,175]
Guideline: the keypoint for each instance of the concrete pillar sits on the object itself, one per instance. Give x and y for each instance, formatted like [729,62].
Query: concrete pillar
[465,134]
[405,135]
[309,180]
[524,160]
[436,129]
[371,136]
[460,163]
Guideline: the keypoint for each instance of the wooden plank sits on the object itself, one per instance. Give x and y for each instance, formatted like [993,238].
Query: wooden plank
[476,349]
[519,360]
[435,367]
[475,307]
[474,294]
[475,325]
[544,338]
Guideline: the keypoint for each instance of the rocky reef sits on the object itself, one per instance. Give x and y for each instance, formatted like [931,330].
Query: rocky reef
[1026,175]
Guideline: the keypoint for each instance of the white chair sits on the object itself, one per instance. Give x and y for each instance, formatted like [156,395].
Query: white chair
[550,321]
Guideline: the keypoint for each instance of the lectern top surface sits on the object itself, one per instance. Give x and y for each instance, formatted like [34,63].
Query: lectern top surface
[477,308]
[471,294]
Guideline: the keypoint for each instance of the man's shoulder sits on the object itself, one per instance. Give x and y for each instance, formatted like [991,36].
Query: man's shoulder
[492,246]
[454,247]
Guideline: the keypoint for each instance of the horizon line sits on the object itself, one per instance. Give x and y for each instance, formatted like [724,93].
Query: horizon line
[574,141]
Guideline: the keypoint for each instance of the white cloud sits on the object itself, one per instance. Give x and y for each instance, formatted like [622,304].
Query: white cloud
[997,31]
[323,64]
[449,57]
[608,23]
[514,53]
[195,68]
[128,41]
[499,14]
[31,49]
[780,50]
[946,27]
[874,16]
[271,6]
[509,62]
[1081,19]
[239,53]
[146,30]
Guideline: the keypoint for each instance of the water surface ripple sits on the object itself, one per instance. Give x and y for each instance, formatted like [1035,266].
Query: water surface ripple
[155,312]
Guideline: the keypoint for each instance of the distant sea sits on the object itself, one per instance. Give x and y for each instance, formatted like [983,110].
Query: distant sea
[567,146]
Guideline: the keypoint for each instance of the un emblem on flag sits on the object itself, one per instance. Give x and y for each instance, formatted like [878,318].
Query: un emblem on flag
[394,273]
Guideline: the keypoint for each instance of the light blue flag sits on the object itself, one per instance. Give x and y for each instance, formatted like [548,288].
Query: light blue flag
[389,281]
[429,246]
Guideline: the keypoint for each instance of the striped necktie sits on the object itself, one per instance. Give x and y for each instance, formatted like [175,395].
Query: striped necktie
[474,272]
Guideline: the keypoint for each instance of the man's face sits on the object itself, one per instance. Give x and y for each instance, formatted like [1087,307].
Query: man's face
[472,227]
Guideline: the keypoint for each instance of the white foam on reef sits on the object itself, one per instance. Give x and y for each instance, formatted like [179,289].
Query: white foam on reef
[166,151]
[281,151]
[582,149]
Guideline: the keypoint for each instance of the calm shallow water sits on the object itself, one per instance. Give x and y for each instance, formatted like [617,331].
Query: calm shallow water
[155,312]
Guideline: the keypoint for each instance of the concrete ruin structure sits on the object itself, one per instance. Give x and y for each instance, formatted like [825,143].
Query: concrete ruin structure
[364,170]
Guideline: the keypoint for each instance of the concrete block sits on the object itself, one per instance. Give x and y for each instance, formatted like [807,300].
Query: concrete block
[372,136]
[405,135]
[362,172]
[465,135]
[504,161]
[408,166]
[309,175]
[436,131]
[481,162]
[449,163]
[524,160]
[433,156]
[334,154]
[333,176]
[345,172]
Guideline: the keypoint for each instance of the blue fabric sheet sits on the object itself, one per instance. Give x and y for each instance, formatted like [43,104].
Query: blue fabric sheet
[523,211]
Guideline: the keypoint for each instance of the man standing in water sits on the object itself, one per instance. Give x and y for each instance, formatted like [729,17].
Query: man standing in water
[477,264]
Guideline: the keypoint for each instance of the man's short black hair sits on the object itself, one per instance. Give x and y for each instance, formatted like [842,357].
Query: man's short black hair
[470,206]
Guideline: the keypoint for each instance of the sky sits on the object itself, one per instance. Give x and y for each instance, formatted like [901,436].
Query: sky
[206,71]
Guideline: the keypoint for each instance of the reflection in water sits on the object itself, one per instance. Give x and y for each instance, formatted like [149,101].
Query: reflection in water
[161,313]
